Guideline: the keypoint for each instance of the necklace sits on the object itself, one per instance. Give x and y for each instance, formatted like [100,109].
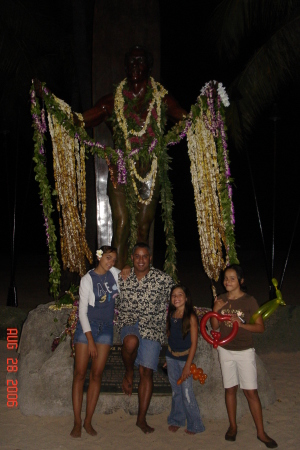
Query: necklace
[233,298]
[175,319]
[138,93]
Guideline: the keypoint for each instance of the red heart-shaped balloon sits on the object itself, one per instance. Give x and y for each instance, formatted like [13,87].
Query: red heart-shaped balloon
[215,340]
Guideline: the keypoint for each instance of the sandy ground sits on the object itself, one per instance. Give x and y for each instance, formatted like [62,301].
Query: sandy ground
[118,430]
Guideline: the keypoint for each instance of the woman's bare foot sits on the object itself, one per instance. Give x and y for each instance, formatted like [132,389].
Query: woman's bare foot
[89,429]
[76,431]
[189,432]
[173,428]
[127,383]
[144,427]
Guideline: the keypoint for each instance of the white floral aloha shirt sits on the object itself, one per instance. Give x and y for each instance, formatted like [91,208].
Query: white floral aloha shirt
[145,302]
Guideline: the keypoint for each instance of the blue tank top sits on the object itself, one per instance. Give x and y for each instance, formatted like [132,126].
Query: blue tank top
[176,341]
[105,290]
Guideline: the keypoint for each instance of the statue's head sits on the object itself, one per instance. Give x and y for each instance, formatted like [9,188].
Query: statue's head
[138,63]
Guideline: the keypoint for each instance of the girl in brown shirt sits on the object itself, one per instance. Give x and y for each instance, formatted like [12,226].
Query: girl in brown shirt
[237,358]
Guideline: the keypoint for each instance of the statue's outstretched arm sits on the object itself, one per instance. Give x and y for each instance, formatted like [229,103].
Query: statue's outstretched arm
[175,112]
[92,117]
[100,112]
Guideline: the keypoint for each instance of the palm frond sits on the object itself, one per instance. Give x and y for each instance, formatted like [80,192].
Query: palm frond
[271,67]
[235,21]
[31,39]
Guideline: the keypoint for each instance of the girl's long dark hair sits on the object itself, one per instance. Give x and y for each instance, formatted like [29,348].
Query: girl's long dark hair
[240,275]
[188,310]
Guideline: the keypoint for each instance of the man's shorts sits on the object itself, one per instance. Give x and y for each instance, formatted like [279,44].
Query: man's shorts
[102,333]
[148,351]
[238,367]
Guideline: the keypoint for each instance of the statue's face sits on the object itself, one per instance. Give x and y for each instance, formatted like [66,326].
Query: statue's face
[137,68]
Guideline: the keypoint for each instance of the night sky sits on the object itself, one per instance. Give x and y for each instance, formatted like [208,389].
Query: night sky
[187,62]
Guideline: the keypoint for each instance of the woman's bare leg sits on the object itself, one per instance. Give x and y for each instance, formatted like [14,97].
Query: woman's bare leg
[93,392]
[230,400]
[256,411]
[81,363]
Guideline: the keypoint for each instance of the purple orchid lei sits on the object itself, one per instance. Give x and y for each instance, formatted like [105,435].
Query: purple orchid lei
[217,128]
[183,133]
[122,173]
[46,225]
[152,146]
[225,156]
[39,122]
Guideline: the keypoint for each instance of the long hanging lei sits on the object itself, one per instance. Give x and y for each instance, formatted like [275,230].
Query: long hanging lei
[211,178]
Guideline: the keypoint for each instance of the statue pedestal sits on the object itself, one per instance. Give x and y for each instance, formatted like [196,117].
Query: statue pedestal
[45,377]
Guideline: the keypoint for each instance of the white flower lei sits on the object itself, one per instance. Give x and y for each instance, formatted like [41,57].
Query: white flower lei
[70,184]
[223,94]
[206,180]
[158,93]
[150,176]
[220,89]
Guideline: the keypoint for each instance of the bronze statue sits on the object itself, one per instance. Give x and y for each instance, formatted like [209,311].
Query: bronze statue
[138,64]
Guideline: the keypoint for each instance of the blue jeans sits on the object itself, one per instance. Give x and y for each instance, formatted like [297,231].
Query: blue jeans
[184,403]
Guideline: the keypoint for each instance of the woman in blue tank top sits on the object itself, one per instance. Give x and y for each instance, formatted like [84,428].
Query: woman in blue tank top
[182,330]
[94,333]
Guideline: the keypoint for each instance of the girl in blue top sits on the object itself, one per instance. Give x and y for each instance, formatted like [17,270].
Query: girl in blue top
[94,334]
[182,330]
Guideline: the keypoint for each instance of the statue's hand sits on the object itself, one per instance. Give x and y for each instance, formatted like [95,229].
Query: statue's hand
[77,122]
[38,88]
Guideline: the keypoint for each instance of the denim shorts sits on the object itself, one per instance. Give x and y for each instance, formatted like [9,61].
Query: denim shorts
[148,351]
[102,333]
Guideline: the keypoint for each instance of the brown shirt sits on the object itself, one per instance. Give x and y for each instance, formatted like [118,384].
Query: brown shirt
[244,307]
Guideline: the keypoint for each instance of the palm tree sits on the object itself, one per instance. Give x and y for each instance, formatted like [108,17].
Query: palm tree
[259,41]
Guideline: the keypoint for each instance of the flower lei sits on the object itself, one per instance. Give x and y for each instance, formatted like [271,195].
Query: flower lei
[151,176]
[45,191]
[210,172]
[70,186]
[69,300]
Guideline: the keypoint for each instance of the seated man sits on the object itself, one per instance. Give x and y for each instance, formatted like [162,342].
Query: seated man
[142,322]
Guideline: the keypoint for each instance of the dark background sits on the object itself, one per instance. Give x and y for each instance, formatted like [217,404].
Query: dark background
[188,60]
